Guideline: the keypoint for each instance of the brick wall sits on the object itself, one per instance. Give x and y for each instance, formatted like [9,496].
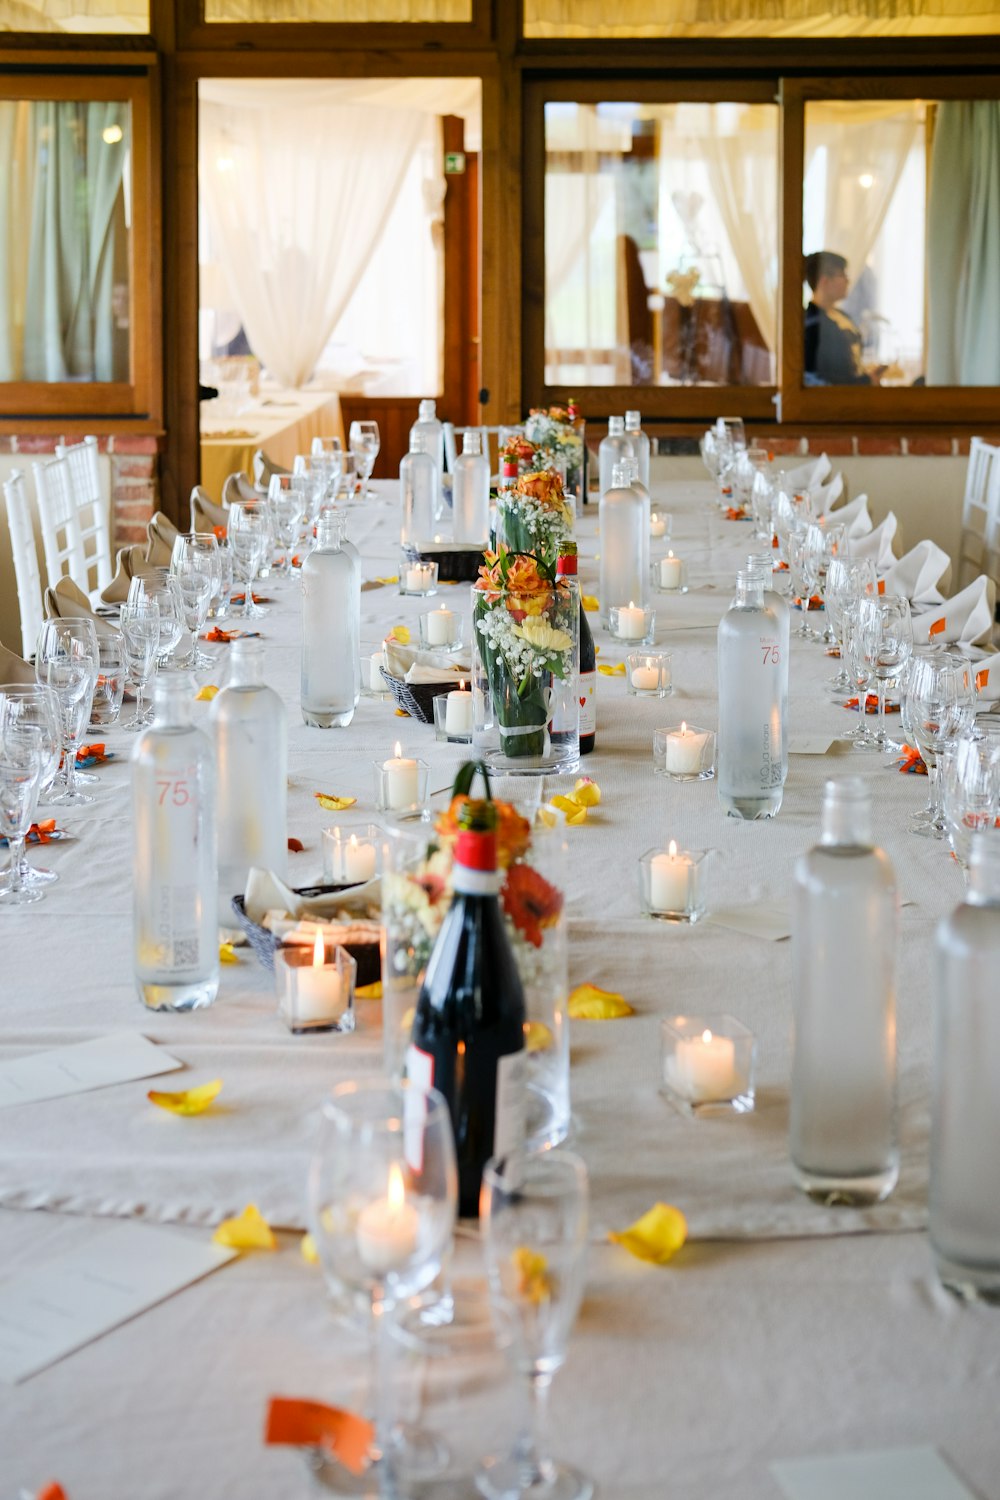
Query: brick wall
[134,479]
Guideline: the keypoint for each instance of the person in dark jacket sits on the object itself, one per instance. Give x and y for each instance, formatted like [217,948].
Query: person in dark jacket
[833,341]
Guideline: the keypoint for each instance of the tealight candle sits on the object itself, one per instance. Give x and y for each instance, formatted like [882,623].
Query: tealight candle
[684,751]
[671,572]
[419,577]
[657,525]
[631,622]
[388,1228]
[645,679]
[357,861]
[440,626]
[704,1067]
[671,881]
[401,780]
[315,987]
[375,680]
[458,714]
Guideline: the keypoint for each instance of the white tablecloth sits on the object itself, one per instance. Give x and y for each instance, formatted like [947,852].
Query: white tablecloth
[801,1329]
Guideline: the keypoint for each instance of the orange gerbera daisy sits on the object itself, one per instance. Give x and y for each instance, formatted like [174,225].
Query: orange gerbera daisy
[531,902]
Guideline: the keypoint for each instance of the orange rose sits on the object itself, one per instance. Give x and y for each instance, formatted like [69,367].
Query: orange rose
[513,831]
[543,485]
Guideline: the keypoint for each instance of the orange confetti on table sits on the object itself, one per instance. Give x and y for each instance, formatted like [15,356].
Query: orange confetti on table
[51,1491]
[310,1424]
[187,1101]
[248,1231]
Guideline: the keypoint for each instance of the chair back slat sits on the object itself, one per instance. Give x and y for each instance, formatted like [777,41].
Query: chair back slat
[25,554]
[979,546]
[85,481]
[62,539]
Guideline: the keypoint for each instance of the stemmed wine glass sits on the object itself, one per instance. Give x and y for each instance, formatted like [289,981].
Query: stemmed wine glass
[846,579]
[834,536]
[38,706]
[363,440]
[67,660]
[860,626]
[791,508]
[165,589]
[140,628]
[22,759]
[533,1216]
[249,533]
[195,565]
[938,703]
[970,789]
[330,451]
[285,502]
[805,553]
[383,1188]
[894,643]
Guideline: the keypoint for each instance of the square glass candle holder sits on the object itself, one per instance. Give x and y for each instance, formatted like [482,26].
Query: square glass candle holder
[401,785]
[661,524]
[672,883]
[633,623]
[707,1064]
[417,578]
[648,674]
[315,985]
[441,629]
[684,752]
[372,681]
[668,574]
[453,716]
[351,853]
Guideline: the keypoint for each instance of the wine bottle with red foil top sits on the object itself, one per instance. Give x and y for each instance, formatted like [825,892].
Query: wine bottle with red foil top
[468,1031]
[567,568]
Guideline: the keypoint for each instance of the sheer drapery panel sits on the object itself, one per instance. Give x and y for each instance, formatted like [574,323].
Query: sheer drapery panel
[717,19]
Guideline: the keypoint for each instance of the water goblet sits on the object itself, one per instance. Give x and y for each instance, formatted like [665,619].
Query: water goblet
[894,642]
[67,660]
[166,591]
[140,628]
[331,451]
[937,695]
[196,556]
[364,442]
[249,536]
[109,688]
[970,789]
[533,1217]
[860,635]
[22,757]
[39,706]
[791,508]
[285,502]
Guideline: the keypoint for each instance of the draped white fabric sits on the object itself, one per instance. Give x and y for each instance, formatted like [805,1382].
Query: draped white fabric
[963,245]
[298,189]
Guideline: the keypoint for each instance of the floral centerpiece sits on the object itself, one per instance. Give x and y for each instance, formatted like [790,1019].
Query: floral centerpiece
[519,450]
[535,515]
[526,626]
[557,432]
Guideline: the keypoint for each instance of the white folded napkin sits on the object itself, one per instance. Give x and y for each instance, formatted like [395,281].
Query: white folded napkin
[967,618]
[988,680]
[415,665]
[917,574]
[825,496]
[809,474]
[267,895]
[854,516]
[877,544]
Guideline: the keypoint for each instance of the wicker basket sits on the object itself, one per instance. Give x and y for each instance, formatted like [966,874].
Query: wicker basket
[417,698]
[455,564]
[265,944]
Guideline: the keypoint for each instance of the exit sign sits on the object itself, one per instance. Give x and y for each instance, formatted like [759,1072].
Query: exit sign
[454,163]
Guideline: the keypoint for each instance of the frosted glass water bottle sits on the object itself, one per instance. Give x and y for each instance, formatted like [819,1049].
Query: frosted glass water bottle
[418,487]
[753,697]
[760,564]
[613,449]
[251,752]
[175,918]
[844,937]
[430,429]
[640,444]
[331,630]
[471,492]
[965,1099]
[624,520]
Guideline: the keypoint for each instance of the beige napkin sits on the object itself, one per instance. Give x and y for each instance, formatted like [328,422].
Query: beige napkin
[415,665]
[263,468]
[877,544]
[238,487]
[131,564]
[205,514]
[968,617]
[67,602]
[268,896]
[917,574]
[15,668]
[162,534]
[807,476]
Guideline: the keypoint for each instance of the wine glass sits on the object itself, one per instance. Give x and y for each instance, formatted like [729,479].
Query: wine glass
[860,634]
[140,628]
[805,553]
[383,1188]
[285,502]
[939,702]
[109,689]
[846,579]
[165,589]
[762,505]
[894,642]
[195,562]
[970,789]
[67,660]
[533,1215]
[711,455]
[363,440]
[834,535]
[37,705]
[249,534]
[791,508]
[22,759]
[330,450]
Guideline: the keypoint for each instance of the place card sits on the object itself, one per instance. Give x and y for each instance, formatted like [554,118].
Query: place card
[764,919]
[55,1308]
[917,1473]
[85,1065]
[818,744]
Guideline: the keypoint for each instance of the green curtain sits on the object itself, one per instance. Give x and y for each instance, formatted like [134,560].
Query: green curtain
[963,245]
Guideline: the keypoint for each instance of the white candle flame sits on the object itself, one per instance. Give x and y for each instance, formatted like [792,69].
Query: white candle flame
[672,848]
[319,954]
[398,751]
[706,1037]
[397,1188]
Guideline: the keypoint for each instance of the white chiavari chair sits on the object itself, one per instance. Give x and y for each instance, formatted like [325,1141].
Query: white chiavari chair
[62,539]
[26,571]
[979,510]
[85,480]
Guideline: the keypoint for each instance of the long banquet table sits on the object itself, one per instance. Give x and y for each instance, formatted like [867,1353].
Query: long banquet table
[782,1329]
[281,422]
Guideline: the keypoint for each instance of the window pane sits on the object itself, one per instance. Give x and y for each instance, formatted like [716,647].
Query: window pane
[661,245]
[758,18]
[114,17]
[339,10]
[907,193]
[65,303]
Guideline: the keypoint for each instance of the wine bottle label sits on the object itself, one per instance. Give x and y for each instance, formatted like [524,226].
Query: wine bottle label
[420,1072]
[588,703]
[510,1123]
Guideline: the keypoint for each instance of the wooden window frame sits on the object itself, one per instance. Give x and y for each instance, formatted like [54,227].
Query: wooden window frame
[105,405]
[195,33]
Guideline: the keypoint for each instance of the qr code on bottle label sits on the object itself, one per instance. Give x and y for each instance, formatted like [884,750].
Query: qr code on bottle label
[185,953]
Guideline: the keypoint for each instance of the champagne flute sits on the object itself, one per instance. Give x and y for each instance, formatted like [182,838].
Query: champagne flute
[140,628]
[36,705]
[834,535]
[363,440]
[383,1188]
[846,579]
[67,660]
[533,1215]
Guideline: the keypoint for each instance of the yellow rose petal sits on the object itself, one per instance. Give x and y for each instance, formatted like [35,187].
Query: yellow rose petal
[590,603]
[575,814]
[534,1282]
[227,954]
[390,578]
[537,1036]
[329,803]
[308,1251]
[371,991]
[206,694]
[400,634]
[547,816]
[618,670]
[249,1231]
[655,1237]
[187,1101]
[586,792]
[589,1003]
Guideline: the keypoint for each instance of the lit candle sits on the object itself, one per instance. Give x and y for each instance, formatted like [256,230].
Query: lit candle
[312,986]
[458,714]
[657,525]
[401,780]
[375,681]
[671,881]
[357,861]
[418,578]
[646,679]
[684,751]
[388,1228]
[631,622]
[671,572]
[704,1067]
[440,626]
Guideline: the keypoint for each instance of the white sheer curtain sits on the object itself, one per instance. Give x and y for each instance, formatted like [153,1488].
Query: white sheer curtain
[579,260]
[297,188]
[963,245]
